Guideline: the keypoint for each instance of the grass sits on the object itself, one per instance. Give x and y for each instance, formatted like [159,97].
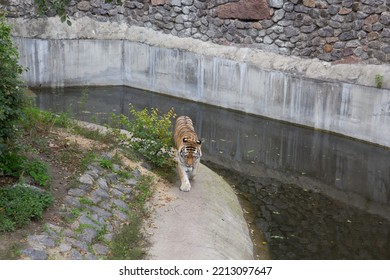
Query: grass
[94,135]
[127,244]
[12,252]
[86,201]
[88,158]
[106,163]
[144,189]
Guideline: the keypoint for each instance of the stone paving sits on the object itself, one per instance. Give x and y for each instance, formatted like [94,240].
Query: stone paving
[93,211]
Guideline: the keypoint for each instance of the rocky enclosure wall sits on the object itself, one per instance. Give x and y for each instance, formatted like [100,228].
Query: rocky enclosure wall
[344,31]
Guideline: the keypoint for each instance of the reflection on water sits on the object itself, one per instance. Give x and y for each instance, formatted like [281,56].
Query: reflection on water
[353,172]
[302,224]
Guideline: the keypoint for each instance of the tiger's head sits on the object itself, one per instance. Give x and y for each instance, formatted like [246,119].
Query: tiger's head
[190,151]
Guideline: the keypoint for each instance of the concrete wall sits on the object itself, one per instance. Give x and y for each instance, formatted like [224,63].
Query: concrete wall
[336,98]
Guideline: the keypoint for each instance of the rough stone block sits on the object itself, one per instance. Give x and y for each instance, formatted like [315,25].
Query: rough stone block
[276,3]
[84,6]
[159,2]
[309,3]
[244,10]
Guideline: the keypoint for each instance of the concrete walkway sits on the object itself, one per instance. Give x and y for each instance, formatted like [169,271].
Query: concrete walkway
[206,223]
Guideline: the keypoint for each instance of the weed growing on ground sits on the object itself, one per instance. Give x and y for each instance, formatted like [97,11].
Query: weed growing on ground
[127,244]
[20,204]
[94,135]
[378,80]
[14,163]
[38,172]
[86,201]
[11,253]
[106,163]
[144,188]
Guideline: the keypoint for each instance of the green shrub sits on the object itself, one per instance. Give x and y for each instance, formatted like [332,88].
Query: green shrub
[11,94]
[38,171]
[151,134]
[14,163]
[11,162]
[20,204]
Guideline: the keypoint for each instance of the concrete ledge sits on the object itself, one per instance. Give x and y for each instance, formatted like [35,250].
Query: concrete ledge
[87,28]
[206,223]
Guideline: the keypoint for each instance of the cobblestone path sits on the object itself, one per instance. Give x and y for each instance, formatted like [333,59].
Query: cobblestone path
[94,210]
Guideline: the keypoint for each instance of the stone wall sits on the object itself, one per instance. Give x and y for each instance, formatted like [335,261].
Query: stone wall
[342,31]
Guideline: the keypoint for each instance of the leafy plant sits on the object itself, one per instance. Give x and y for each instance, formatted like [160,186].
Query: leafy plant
[379,80]
[14,163]
[58,6]
[151,134]
[38,172]
[106,163]
[11,162]
[11,95]
[20,204]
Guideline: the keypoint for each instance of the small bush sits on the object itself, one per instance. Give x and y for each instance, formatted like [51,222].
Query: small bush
[11,162]
[14,163]
[18,205]
[151,134]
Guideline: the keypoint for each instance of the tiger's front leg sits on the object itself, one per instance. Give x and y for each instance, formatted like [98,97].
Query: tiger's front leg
[185,182]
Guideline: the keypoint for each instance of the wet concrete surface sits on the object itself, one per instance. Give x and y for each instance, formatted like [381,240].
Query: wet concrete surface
[317,195]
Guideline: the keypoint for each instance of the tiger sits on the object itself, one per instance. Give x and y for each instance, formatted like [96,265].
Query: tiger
[188,151]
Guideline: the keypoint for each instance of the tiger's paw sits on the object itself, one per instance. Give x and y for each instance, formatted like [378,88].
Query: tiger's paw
[185,187]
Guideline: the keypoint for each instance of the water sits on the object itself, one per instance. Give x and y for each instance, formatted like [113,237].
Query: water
[316,195]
